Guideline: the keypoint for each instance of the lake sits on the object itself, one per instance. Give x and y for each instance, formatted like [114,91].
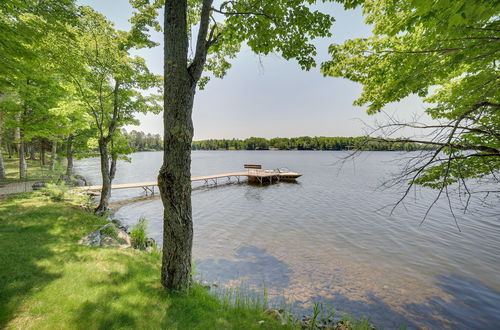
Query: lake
[330,238]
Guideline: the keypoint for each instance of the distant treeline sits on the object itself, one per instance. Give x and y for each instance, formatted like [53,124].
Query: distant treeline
[141,141]
[306,143]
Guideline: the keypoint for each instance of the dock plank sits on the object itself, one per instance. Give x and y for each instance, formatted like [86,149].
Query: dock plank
[249,174]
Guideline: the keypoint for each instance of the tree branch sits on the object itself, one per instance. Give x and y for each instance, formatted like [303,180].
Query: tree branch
[196,67]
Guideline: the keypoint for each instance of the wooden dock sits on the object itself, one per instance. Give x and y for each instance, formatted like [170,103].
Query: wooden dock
[253,175]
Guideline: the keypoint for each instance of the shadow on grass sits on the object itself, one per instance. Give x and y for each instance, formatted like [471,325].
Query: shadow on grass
[34,237]
[22,245]
[133,298]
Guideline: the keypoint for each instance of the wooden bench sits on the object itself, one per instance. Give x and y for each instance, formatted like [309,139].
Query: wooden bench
[252,166]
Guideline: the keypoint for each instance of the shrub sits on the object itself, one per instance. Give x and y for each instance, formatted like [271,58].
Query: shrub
[55,192]
[138,234]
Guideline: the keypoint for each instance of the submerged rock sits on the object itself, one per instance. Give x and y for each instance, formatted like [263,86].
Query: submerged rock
[107,236]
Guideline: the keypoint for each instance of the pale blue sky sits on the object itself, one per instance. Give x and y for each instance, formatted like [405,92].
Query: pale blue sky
[269,96]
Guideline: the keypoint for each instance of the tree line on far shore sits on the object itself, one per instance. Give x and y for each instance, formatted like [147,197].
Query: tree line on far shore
[306,143]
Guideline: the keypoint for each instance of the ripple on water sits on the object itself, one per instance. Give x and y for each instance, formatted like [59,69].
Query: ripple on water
[327,239]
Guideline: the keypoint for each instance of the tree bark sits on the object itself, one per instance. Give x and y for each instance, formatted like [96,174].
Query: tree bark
[69,156]
[22,158]
[20,148]
[42,152]
[53,155]
[2,168]
[106,177]
[174,179]
[32,151]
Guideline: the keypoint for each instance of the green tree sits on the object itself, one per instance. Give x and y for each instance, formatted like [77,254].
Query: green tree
[25,69]
[447,53]
[109,82]
[278,26]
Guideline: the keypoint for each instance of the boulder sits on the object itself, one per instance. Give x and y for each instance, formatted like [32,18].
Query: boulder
[107,236]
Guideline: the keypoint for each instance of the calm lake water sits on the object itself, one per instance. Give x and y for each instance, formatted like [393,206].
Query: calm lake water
[326,239]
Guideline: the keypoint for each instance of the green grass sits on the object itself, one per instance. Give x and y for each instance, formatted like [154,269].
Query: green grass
[35,171]
[48,281]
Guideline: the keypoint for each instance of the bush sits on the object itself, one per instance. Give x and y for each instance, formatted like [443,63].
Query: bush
[55,192]
[110,231]
[138,234]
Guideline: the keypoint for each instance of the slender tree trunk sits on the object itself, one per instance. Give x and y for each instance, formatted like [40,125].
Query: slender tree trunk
[53,156]
[42,152]
[69,156]
[106,178]
[174,179]
[9,150]
[2,168]
[20,148]
[32,151]
[22,159]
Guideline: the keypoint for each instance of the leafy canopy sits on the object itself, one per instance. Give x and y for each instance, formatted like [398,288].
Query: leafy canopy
[447,53]
[285,27]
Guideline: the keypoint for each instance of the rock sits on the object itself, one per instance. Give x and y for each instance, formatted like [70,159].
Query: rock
[107,241]
[92,239]
[215,284]
[150,242]
[124,238]
[38,185]
[73,180]
[107,236]
[205,284]
[120,225]
[80,180]
[274,313]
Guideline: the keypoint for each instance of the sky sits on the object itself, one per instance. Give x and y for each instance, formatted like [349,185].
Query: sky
[267,96]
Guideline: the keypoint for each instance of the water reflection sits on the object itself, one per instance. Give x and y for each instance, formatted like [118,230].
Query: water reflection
[254,266]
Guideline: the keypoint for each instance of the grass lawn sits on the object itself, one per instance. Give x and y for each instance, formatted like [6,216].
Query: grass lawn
[35,171]
[48,281]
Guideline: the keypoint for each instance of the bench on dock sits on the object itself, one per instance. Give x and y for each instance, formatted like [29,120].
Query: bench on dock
[252,167]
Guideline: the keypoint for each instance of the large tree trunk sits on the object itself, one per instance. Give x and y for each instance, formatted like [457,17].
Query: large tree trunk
[53,156]
[174,179]
[69,156]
